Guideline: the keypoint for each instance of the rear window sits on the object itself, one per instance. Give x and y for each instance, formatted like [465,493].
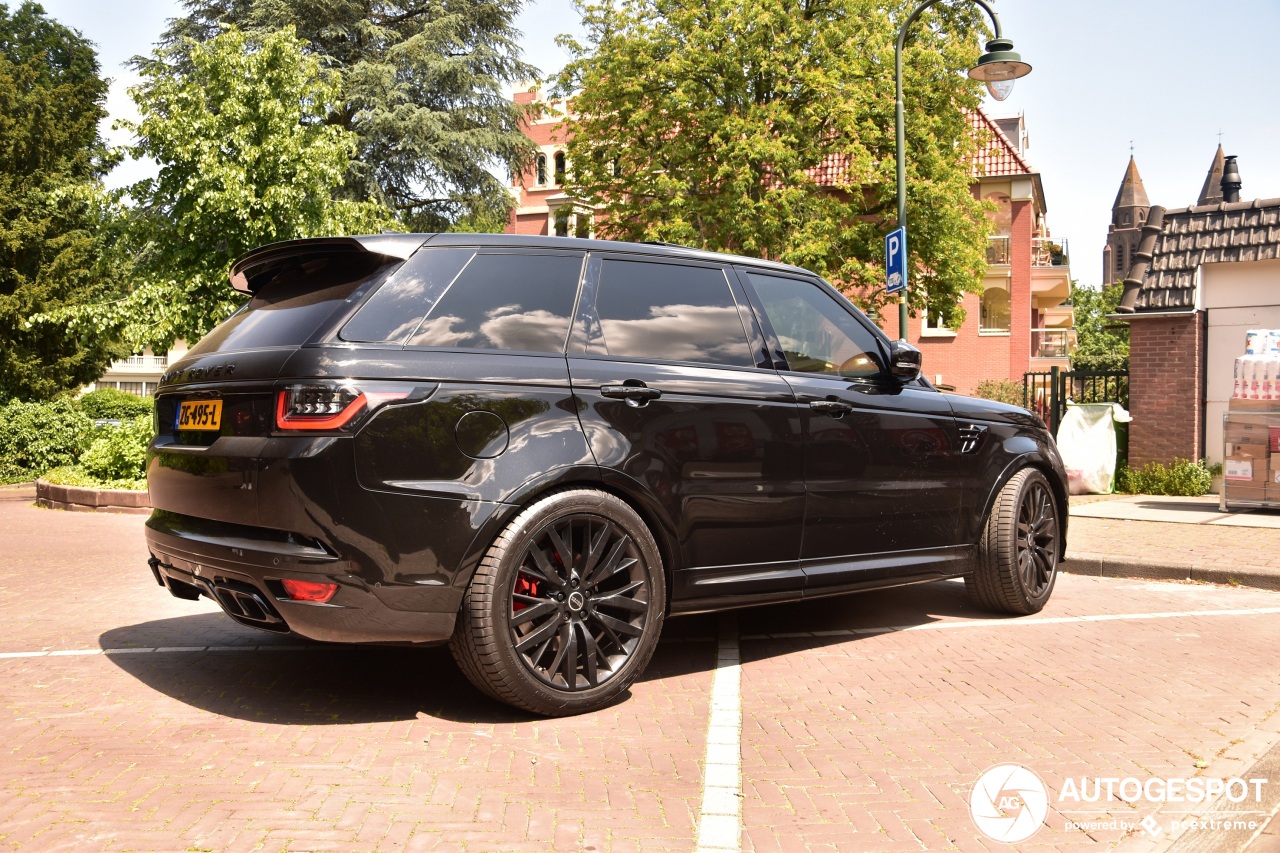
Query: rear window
[291,307]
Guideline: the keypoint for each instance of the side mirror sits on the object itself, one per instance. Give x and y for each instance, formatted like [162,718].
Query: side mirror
[904,361]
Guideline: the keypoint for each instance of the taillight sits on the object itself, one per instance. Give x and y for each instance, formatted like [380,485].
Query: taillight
[309,590]
[328,407]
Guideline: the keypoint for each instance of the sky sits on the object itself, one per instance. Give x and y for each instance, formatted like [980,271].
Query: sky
[1163,76]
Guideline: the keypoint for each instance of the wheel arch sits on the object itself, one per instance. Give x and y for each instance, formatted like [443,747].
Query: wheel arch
[1037,460]
[623,488]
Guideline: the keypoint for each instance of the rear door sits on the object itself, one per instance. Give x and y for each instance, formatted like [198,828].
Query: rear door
[880,459]
[677,400]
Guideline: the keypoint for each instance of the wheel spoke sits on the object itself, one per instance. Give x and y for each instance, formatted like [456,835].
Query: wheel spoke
[536,608]
[596,550]
[613,638]
[562,549]
[542,632]
[546,571]
[617,625]
[613,564]
[570,651]
[624,598]
[590,651]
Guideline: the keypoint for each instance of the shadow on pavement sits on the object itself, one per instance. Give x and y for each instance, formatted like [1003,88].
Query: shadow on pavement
[291,681]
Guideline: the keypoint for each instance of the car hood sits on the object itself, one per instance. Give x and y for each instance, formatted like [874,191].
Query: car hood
[977,409]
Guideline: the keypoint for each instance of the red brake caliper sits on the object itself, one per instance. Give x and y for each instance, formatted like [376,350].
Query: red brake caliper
[524,586]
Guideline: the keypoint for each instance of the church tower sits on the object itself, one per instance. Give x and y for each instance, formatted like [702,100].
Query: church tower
[1211,192]
[1128,215]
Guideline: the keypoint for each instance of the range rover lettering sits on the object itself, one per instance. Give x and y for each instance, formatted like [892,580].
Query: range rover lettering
[536,450]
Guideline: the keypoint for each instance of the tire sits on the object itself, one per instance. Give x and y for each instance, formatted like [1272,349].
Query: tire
[1017,560]
[556,636]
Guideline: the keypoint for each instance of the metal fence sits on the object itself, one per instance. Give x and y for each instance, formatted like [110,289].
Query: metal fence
[1047,394]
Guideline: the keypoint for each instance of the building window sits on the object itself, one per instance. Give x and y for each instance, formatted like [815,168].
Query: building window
[560,167]
[542,170]
[1125,219]
[934,325]
[569,220]
[1002,217]
[1119,260]
[993,315]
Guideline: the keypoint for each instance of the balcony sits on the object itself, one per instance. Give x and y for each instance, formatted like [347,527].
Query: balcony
[1048,253]
[1052,343]
[148,361]
[998,250]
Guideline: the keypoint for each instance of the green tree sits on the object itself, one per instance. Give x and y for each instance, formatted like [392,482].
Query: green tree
[767,128]
[245,158]
[55,219]
[1101,344]
[422,85]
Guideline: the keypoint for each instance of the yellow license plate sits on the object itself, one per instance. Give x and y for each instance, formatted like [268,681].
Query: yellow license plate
[199,414]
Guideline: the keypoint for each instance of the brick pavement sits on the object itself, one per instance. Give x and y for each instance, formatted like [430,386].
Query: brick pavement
[854,736]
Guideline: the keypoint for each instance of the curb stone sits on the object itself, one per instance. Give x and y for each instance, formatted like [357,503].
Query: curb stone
[1105,566]
[81,499]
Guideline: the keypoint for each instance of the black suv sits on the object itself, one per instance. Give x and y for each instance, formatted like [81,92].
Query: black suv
[536,449]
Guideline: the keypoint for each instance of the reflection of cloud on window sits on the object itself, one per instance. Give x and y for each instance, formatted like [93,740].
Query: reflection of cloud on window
[403,330]
[507,328]
[440,332]
[539,331]
[680,333]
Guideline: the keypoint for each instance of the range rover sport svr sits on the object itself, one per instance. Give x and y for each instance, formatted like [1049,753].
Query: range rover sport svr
[537,449]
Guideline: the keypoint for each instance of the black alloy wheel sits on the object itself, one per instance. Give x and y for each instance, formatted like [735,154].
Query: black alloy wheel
[565,610]
[1017,555]
[1037,538]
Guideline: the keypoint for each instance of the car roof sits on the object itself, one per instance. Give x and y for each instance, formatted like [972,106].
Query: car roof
[666,250]
[253,269]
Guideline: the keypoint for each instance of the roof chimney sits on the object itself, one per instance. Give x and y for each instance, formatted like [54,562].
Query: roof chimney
[1230,179]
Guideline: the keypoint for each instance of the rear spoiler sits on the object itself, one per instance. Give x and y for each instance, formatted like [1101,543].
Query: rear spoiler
[250,272]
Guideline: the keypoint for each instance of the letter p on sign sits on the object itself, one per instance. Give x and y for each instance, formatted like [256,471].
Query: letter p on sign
[895,260]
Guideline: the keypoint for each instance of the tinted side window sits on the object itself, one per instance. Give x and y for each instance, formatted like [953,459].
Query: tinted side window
[506,301]
[393,313]
[818,335]
[670,312]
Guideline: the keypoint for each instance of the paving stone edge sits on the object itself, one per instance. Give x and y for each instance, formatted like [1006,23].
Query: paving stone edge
[1108,566]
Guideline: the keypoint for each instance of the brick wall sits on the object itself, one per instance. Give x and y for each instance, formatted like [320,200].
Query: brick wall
[1166,388]
[962,360]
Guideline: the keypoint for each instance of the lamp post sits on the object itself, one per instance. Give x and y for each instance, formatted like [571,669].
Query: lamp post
[998,68]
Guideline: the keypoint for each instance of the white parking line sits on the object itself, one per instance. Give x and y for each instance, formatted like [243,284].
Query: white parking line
[720,824]
[1013,622]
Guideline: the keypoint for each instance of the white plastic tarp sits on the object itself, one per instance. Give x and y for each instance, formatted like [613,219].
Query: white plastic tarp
[1087,442]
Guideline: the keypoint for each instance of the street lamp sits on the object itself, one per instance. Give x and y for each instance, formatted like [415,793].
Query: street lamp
[998,68]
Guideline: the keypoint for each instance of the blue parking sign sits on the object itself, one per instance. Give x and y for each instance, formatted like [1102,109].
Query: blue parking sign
[895,260]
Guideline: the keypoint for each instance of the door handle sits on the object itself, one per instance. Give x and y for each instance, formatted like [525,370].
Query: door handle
[635,395]
[835,408]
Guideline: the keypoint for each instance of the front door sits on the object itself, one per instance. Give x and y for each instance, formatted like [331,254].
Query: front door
[880,457]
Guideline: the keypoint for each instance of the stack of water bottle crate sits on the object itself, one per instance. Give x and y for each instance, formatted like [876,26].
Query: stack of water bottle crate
[1251,426]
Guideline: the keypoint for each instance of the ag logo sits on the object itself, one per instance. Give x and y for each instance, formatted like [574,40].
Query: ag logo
[1009,803]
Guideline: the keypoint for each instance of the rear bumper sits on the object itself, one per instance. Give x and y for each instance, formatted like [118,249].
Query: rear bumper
[241,569]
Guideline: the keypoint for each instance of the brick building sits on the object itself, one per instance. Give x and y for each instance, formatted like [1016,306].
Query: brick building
[1018,323]
[1198,279]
